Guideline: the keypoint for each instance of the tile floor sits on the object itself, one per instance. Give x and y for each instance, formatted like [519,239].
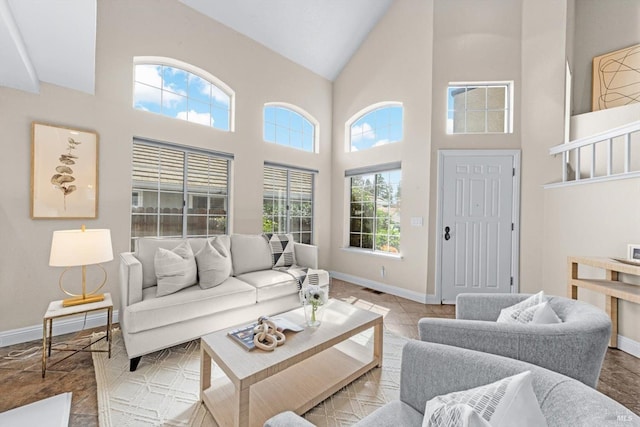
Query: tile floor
[22,383]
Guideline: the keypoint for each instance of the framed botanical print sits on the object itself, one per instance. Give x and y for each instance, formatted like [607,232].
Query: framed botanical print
[64,164]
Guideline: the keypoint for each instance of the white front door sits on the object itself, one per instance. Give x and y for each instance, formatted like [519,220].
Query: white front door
[477,220]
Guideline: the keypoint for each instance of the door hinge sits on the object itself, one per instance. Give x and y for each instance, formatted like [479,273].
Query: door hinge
[513,227]
[514,172]
[511,281]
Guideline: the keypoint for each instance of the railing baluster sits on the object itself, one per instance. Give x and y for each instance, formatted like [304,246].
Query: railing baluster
[565,160]
[609,156]
[593,160]
[577,164]
[627,153]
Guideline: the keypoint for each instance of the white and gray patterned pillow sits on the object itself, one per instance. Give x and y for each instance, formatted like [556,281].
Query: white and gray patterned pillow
[539,314]
[214,264]
[457,414]
[507,402]
[282,251]
[175,269]
[510,314]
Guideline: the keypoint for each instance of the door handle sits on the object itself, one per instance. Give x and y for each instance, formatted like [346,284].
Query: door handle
[447,236]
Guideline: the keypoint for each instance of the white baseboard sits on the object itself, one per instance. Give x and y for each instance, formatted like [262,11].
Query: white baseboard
[388,289]
[60,327]
[629,346]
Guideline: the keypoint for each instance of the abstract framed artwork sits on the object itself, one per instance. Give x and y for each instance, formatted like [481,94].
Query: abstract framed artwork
[64,165]
[616,78]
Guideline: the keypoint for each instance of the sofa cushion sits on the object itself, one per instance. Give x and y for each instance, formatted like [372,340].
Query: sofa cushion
[282,252]
[192,302]
[270,283]
[214,264]
[175,269]
[500,403]
[147,247]
[249,252]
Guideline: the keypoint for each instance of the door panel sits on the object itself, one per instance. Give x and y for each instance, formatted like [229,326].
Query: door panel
[477,206]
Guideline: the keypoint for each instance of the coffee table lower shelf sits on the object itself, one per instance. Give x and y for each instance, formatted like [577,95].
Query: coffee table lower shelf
[298,388]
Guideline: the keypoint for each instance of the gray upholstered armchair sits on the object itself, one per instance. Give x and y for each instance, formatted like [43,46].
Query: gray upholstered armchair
[429,370]
[575,347]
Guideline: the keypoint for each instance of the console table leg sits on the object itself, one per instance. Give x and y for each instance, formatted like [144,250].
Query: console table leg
[611,306]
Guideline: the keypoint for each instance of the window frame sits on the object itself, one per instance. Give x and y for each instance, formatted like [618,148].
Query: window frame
[289,170]
[296,110]
[185,192]
[189,68]
[362,113]
[371,170]
[508,109]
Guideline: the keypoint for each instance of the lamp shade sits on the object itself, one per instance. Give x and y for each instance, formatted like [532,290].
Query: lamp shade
[80,247]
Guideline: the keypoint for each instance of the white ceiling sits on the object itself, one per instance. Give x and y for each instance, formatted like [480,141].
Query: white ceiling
[320,35]
[54,41]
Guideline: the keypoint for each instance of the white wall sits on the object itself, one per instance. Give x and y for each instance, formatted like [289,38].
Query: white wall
[161,28]
[393,64]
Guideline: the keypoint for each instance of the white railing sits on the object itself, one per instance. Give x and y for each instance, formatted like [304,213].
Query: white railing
[571,155]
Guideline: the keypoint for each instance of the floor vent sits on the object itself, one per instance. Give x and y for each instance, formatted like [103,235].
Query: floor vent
[373,291]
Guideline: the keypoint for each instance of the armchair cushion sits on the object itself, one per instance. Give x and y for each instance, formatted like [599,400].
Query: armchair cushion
[499,403]
[512,313]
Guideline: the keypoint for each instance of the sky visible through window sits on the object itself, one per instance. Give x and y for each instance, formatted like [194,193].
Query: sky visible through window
[284,126]
[378,127]
[177,93]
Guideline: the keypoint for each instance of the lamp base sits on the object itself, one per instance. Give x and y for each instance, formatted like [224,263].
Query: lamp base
[80,300]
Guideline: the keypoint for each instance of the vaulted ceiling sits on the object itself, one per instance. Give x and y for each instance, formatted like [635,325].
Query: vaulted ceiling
[54,41]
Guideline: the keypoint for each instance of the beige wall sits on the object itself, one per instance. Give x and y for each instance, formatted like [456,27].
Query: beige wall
[393,64]
[597,219]
[162,28]
[600,27]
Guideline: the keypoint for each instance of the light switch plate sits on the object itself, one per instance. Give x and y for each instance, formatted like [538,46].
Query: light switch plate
[416,221]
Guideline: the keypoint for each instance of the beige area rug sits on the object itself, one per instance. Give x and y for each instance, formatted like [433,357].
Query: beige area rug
[164,390]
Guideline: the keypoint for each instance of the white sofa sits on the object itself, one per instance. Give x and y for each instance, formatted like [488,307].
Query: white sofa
[150,323]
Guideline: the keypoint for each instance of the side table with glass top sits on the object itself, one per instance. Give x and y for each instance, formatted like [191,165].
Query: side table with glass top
[56,310]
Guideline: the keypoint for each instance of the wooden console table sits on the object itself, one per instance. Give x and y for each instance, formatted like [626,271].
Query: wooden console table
[611,286]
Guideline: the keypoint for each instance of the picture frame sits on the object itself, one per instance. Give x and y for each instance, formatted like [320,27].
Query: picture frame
[64,165]
[633,252]
[616,78]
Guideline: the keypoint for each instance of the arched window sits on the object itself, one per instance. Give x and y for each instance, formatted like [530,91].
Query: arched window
[286,124]
[376,125]
[176,89]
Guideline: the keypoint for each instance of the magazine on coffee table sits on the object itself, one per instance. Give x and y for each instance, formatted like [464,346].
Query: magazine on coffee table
[244,335]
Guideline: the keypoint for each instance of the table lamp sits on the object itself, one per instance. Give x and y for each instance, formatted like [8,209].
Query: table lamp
[72,248]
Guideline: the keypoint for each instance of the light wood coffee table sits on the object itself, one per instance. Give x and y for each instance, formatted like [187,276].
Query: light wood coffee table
[311,366]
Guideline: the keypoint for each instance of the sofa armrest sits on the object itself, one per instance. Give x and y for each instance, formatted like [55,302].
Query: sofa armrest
[130,279]
[485,306]
[287,419]
[306,255]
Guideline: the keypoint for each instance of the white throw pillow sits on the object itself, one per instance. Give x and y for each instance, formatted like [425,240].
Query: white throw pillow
[214,264]
[540,314]
[510,314]
[507,402]
[175,269]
